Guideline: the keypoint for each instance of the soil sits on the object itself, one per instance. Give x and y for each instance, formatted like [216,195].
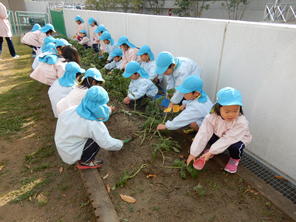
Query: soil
[168,198]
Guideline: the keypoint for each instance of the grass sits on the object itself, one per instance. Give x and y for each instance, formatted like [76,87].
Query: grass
[18,98]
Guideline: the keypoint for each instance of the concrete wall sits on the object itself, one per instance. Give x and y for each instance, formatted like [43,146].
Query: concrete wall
[256,58]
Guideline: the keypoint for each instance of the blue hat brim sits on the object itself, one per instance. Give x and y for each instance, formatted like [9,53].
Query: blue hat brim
[127,75]
[161,70]
[181,89]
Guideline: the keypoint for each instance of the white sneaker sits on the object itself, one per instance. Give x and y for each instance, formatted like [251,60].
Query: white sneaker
[16,56]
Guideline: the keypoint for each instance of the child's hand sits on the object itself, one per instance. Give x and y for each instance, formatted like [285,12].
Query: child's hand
[112,108]
[189,159]
[161,127]
[126,100]
[182,107]
[207,156]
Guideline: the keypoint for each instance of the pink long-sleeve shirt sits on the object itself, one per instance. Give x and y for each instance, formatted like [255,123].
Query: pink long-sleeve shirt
[34,38]
[229,132]
[128,56]
[5,30]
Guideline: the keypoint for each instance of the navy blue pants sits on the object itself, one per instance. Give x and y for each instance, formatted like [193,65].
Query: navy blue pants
[235,150]
[10,45]
[90,150]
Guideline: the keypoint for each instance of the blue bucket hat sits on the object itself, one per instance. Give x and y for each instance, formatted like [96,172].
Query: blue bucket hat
[91,20]
[146,50]
[107,36]
[124,40]
[83,31]
[94,73]
[229,96]
[191,84]
[69,77]
[46,41]
[134,67]
[116,52]
[163,61]
[79,18]
[50,48]
[35,27]
[100,28]
[94,105]
[49,59]
[47,27]
[62,42]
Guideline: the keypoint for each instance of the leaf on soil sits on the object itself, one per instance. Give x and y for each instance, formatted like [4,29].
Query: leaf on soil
[106,176]
[41,199]
[150,176]
[61,169]
[127,198]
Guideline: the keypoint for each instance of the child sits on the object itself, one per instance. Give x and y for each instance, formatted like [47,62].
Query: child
[196,106]
[108,42]
[34,28]
[83,39]
[80,131]
[116,56]
[129,51]
[91,78]
[92,35]
[226,128]
[80,26]
[46,49]
[147,61]
[63,86]
[176,69]
[99,31]
[52,67]
[35,38]
[46,71]
[140,86]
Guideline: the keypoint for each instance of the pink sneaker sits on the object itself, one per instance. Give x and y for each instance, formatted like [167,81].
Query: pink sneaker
[231,166]
[199,163]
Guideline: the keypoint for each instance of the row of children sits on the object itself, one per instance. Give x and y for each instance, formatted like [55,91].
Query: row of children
[80,129]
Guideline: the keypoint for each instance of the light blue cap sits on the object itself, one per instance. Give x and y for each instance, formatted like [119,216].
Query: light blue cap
[79,18]
[91,20]
[124,40]
[229,96]
[134,67]
[94,73]
[100,28]
[35,27]
[47,27]
[163,61]
[193,83]
[50,47]
[83,31]
[116,52]
[62,42]
[46,41]
[69,77]
[146,50]
[49,59]
[94,105]
[107,36]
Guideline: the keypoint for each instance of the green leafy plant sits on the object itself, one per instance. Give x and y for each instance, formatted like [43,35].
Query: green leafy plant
[127,176]
[184,169]
[200,190]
